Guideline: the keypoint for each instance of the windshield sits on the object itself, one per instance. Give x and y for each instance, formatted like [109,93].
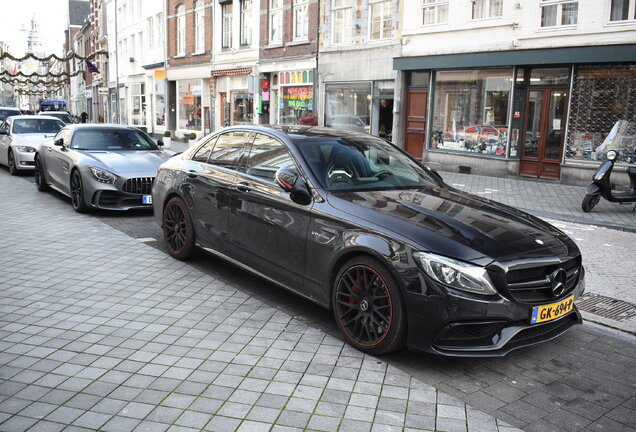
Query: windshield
[35,126]
[4,113]
[64,117]
[111,139]
[360,163]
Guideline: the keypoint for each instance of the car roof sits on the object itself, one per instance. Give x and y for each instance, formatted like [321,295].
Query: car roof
[53,112]
[80,126]
[299,131]
[10,108]
[27,117]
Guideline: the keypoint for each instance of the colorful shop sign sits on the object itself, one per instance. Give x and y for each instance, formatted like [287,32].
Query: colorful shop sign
[298,97]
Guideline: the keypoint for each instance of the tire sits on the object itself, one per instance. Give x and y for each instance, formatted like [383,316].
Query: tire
[368,307]
[40,178]
[589,202]
[77,193]
[178,230]
[11,162]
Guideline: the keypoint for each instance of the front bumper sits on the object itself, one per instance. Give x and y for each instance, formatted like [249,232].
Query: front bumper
[107,196]
[457,324]
[24,160]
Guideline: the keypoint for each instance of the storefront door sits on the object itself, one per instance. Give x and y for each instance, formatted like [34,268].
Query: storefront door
[416,122]
[544,132]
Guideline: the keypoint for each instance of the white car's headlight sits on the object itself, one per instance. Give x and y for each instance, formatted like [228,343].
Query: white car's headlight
[25,149]
[103,176]
[456,274]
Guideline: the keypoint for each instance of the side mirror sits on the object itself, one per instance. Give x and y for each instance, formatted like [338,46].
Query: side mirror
[160,143]
[290,181]
[59,142]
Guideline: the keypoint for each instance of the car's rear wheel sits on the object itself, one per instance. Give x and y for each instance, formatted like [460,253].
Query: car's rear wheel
[589,202]
[368,307]
[40,179]
[178,230]
[77,192]
[13,170]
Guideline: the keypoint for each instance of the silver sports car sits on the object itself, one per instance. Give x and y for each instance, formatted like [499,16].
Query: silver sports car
[100,166]
[21,136]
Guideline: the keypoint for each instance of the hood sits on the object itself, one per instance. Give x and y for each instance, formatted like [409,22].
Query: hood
[456,224]
[32,140]
[141,163]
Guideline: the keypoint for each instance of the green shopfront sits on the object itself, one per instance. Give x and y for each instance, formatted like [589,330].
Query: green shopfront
[535,113]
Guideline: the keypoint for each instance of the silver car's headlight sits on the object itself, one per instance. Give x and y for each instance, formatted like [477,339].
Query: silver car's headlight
[456,274]
[25,149]
[103,176]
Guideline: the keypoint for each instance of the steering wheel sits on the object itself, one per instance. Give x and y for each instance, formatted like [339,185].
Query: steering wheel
[339,177]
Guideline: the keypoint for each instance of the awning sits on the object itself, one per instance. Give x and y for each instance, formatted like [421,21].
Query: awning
[550,56]
[229,72]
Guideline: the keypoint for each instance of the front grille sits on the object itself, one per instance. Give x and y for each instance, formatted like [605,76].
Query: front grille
[139,185]
[539,331]
[532,285]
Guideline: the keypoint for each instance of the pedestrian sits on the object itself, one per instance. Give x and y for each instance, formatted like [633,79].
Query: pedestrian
[84,116]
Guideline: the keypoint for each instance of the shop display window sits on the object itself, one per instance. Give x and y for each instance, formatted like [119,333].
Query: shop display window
[348,106]
[189,96]
[470,111]
[243,108]
[160,102]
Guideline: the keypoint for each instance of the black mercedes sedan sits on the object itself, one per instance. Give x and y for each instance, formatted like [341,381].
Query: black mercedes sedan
[356,225]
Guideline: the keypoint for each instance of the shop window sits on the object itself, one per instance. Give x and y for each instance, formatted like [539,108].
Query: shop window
[559,13]
[381,16]
[246,22]
[189,96]
[622,10]
[348,106]
[297,105]
[342,22]
[243,108]
[550,76]
[434,12]
[181,24]
[138,104]
[487,8]
[160,102]
[603,101]
[226,25]
[419,79]
[199,27]
[276,21]
[470,111]
[301,19]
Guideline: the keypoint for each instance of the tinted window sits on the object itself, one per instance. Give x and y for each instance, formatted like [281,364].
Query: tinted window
[229,148]
[4,113]
[64,117]
[204,152]
[266,156]
[111,139]
[35,125]
[361,163]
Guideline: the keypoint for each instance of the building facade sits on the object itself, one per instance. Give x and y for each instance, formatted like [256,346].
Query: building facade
[516,88]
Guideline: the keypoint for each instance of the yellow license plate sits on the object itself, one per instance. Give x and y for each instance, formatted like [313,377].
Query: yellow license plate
[552,311]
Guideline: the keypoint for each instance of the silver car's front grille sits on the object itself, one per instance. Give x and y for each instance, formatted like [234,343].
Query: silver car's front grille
[139,185]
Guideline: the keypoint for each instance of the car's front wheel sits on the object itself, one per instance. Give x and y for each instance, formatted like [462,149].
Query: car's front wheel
[40,179]
[368,307]
[77,192]
[13,170]
[178,230]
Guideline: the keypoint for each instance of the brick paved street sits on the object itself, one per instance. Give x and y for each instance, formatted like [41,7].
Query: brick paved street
[101,331]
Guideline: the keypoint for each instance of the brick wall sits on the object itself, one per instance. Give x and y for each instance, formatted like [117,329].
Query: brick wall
[287,49]
[171,37]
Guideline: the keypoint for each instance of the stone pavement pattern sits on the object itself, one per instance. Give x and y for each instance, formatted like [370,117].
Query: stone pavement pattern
[101,332]
[544,198]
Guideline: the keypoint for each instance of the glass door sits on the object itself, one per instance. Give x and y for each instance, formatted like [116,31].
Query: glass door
[543,132]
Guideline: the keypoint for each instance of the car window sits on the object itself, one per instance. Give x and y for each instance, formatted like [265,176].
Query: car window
[4,113]
[203,154]
[111,140]
[361,163]
[5,127]
[64,134]
[266,156]
[35,125]
[229,149]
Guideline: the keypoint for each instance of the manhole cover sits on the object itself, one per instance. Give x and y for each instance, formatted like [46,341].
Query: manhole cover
[607,307]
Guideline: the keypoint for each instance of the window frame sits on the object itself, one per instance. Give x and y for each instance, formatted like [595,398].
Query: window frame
[631,13]
[150,32]
[245,21]
[199,27]
[435,6]
[487,9]
[346,37]
[300,10]
[226,26]
[544,4]
[275,21]
[384,15]
[181,30]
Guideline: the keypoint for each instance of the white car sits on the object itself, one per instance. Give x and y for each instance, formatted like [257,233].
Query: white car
[21,136]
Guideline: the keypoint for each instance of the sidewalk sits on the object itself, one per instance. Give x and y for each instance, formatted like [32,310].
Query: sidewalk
[545,199]
[99,331]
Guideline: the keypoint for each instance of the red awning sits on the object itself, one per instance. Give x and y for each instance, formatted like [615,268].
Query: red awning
[227,72]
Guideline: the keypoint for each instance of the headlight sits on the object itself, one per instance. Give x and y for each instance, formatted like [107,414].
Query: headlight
[103,176]
[611,155]
[25,149]
[456,274]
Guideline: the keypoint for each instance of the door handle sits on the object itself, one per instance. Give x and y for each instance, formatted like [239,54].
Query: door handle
[244,187]
[192,174]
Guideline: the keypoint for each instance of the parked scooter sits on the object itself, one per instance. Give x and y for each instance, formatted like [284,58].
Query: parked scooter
[602,187]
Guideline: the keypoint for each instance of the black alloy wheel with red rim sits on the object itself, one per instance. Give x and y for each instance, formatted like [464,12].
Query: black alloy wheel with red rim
[368,307]
[178,232]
